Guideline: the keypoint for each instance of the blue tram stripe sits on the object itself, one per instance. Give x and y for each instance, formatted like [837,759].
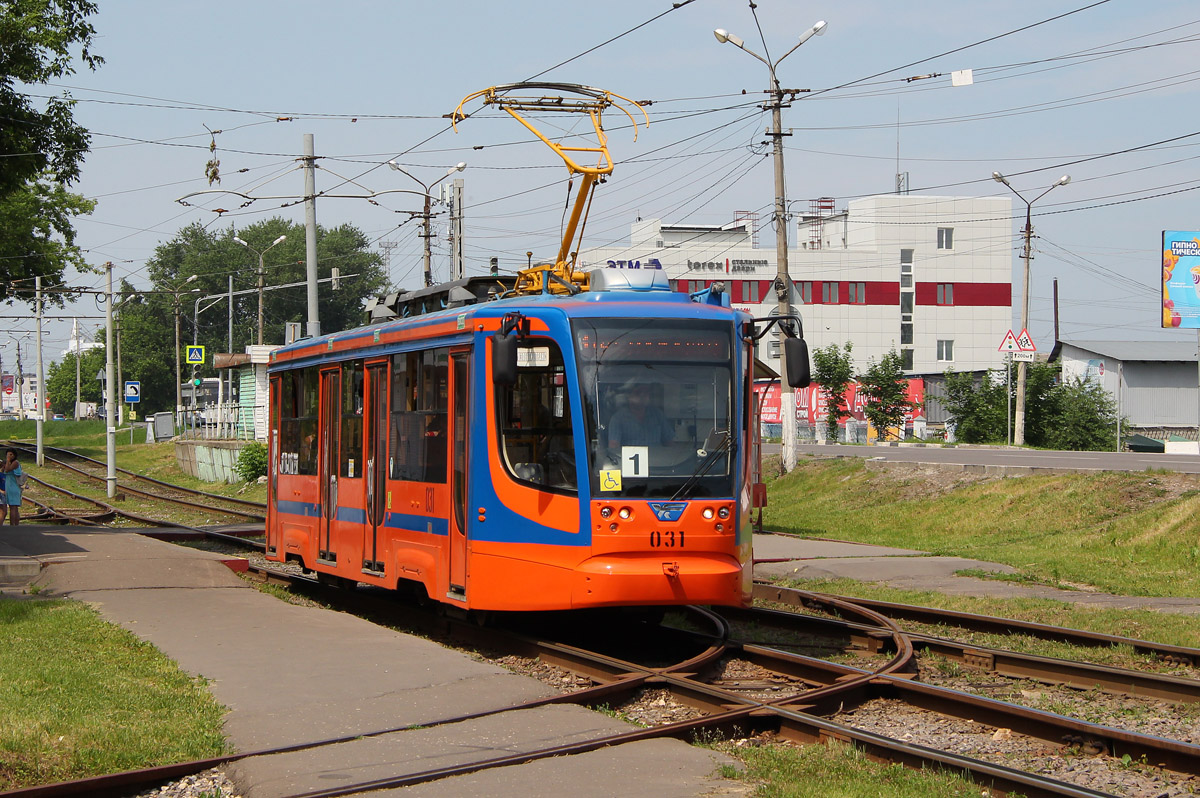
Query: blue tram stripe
[306,509]
[417,523]
[352,515]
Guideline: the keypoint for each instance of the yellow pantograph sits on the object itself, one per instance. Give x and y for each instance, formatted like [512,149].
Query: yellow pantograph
[515,98]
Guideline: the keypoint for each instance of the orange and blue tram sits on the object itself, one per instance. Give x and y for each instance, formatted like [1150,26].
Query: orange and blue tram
[537,452]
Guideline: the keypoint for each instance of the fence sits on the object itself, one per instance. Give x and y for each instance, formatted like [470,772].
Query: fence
[227,421]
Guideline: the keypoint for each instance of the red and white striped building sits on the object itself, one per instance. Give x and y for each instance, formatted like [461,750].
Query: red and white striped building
[930,277]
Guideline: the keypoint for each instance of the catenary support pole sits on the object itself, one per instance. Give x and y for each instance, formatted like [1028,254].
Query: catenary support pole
[41,378]
[110,399]
[310,232]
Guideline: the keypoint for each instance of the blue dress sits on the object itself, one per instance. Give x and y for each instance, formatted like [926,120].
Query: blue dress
[12,491]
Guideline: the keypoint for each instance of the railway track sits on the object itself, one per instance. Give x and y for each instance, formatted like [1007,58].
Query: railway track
[872,683]
[728,684]
[79,508]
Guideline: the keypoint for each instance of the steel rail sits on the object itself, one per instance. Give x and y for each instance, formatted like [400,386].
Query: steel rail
[1049,670]
[175,500]
[143,477]
[994,625]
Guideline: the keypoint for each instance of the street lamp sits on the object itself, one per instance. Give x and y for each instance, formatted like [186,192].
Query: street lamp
[274,243]
[782,278]
[1027,255]
[426,215]
[179,377]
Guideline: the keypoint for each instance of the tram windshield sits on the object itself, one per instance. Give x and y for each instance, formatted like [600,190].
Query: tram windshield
[657,398]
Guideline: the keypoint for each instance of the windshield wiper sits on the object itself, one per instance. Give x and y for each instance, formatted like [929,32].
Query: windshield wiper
[711,455]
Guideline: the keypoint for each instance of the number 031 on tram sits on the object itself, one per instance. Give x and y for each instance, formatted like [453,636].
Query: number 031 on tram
[541,452]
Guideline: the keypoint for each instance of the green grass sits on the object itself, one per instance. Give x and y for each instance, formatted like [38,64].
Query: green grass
[836,771]
[1118,533]
[81,697]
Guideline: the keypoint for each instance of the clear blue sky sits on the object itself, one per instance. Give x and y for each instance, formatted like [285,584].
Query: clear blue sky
[371,81]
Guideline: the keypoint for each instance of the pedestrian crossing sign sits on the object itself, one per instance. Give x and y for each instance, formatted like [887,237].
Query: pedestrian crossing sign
[195,355]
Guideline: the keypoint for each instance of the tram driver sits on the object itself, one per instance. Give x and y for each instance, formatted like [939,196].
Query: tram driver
[641,422]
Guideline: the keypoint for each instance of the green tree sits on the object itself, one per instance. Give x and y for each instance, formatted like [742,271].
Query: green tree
[977,406]
[886,392]
[41,146]
[1041,401]
[60,381]
[39,239]
[833,370]
[1082,417]
[148,327]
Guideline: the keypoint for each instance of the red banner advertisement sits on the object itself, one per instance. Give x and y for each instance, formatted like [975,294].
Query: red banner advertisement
[812,405]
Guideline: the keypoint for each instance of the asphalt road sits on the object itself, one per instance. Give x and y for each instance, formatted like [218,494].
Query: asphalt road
[972,455]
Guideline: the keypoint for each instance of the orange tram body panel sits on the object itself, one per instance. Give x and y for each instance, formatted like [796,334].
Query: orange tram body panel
[606,464]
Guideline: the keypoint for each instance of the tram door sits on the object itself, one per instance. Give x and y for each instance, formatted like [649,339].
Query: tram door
[327,466]
[274,399]
[376,465]
[460,368]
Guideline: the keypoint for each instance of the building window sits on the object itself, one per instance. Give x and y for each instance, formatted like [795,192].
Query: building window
[660,243]
[774,351]
[906,302]
[945,294]
[829,293]
[750,291]
[906,273]
[945,238]
[906,334]
[906,256]
[945,351]
[857,294]
[906,359]
[804,290]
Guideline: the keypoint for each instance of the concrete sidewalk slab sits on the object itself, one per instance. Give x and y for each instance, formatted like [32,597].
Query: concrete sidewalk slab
[290,674]
[462,744]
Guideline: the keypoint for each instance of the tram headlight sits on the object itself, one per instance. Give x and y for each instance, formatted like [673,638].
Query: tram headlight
[624,513]
[723,512]
[606,512]
[708,513]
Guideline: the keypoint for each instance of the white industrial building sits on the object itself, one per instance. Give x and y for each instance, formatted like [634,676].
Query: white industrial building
[930,277]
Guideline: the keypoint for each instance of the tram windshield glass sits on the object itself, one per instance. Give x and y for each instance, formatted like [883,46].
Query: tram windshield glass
[657,399]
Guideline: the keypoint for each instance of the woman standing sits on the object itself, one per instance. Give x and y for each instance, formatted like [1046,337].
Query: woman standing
[12,488]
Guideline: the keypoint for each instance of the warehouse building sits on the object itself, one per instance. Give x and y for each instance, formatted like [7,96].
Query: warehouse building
[1155,383]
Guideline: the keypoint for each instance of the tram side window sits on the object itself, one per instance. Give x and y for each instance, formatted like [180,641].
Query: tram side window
[298,422]
[535,419]
[352,419]
[418,437]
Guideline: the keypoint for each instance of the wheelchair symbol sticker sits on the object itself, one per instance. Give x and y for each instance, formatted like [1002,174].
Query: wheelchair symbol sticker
[610,479]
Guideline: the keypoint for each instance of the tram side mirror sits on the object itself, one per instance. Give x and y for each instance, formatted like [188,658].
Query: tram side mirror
[504,359]
[795,353]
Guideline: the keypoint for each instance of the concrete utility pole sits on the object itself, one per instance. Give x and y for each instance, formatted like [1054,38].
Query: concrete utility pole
[110,379]
[1027,255]
[20,385]
[41,377]
[456,219]
[783,281]
[310,233]
[261,270]
[78,387]
[427,214]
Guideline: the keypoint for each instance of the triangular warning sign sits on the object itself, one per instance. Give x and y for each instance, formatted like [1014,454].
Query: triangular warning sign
[1025,342]
[1009,344]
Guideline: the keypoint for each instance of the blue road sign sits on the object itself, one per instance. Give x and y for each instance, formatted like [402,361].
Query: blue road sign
[133,391]
[195,355]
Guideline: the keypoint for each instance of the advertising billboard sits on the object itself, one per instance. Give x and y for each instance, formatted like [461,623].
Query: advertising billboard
[1181,279]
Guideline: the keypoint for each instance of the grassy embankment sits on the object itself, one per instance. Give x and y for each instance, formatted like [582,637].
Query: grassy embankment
[1135,534]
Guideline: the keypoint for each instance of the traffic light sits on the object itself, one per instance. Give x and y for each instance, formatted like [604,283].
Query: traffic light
[195,376]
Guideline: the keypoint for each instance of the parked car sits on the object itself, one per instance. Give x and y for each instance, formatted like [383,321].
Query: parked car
[59,417]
